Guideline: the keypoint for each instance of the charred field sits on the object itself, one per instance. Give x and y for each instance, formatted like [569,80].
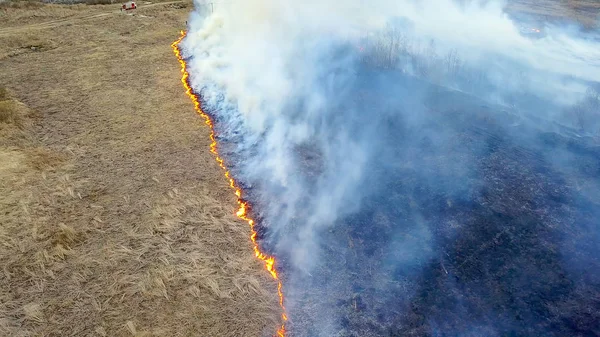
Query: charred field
[473,221]
[493,255]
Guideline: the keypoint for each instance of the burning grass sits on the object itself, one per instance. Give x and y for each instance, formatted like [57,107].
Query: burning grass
[269,261]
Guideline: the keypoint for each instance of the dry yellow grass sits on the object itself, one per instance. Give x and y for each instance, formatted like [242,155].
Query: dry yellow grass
[26,12]
[114,218]
[8,113]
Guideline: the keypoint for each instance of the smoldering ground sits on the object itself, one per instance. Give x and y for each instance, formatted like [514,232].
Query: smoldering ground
[417,168]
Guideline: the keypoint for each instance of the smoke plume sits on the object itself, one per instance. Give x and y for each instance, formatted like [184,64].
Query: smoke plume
[410,162]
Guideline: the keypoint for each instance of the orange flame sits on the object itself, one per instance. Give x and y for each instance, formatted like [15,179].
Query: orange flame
[269,261]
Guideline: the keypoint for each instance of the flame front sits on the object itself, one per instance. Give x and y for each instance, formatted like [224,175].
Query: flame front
[269,261]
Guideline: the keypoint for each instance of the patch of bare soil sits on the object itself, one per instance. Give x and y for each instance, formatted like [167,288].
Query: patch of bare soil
[115,220]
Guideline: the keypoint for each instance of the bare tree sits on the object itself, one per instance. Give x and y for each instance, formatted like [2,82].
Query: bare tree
[452,63]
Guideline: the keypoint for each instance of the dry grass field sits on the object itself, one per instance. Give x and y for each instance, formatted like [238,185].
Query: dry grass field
[114,218]
[584,12]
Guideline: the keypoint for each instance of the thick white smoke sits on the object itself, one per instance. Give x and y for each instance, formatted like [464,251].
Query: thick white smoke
[276,73]
[263,55]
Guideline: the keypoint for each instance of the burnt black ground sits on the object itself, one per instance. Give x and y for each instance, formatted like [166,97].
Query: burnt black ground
[473,222]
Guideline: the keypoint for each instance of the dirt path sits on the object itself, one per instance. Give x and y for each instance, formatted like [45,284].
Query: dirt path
[115,219]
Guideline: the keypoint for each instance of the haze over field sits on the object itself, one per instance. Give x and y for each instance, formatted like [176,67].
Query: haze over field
[417,167]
